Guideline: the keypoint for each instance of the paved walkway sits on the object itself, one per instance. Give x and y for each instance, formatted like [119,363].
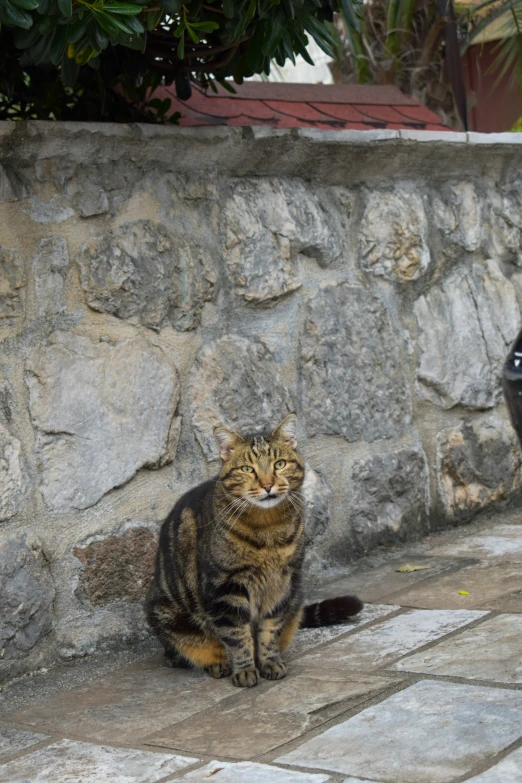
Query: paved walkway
[424,688]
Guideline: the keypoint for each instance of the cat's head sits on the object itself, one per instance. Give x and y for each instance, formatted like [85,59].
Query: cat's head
[262,469]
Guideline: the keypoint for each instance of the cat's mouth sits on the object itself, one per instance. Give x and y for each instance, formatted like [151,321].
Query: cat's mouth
[271,496]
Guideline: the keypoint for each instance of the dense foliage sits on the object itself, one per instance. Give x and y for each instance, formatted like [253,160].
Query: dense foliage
[61,58]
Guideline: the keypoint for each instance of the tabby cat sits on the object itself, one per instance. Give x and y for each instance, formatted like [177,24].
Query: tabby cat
[226,594]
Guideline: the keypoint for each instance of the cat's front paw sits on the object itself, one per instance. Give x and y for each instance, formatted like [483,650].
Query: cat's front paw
[218,670]
[245,678]
[273,670]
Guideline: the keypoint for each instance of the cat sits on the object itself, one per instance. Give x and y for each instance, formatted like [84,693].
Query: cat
[227,595]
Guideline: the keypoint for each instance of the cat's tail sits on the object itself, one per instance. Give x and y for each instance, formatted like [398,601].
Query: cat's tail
[331,612]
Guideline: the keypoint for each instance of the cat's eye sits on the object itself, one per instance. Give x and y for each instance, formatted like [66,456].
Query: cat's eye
[280,464]
[247,469]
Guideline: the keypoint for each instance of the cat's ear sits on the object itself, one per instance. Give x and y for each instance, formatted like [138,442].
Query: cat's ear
[226,440]
[287,431]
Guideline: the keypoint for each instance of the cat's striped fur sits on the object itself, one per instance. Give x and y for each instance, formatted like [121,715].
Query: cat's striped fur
[226,594]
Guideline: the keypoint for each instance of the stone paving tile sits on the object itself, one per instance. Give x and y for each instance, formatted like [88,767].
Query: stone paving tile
[308,638]
[491,651]
[502,541]
[430,732]
[127,704]
[512,602]
[249,772]
[378,584]
[509,770]
[485,582]
[390,639]
[80,762]
[267,718]
[13,740]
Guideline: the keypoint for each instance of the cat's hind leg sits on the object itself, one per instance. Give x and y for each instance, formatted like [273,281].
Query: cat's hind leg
[185,644]
[290,629]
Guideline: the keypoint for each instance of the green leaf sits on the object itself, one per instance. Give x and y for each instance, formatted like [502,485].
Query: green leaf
[181,47]
[171,6]
[59,45]
[192,34]
[154,18]
[47,24]
[122,8]
[135,25]
[101,38]
[27,5]
[350,13]
[65,7]
[40,51]
[44,6]
[22,39]
[69,71]
[77,30]
[10,14]
[228,8]
[205,27]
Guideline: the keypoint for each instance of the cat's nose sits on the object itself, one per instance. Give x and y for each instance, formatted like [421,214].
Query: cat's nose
[268,487]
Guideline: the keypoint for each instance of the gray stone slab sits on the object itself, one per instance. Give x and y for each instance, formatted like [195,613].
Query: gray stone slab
[389,640]
[490,651]
[80,762]
[13,740]
[267,718]
[503,541]
[308,638]
[378,584]
[243,771]
[128,704]
[509,770]
[484,582]
[431,732]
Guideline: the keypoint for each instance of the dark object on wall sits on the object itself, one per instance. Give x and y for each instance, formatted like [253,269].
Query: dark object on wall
[512,383]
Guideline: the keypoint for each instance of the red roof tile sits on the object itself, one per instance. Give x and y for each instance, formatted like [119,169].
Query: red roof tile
[336,106]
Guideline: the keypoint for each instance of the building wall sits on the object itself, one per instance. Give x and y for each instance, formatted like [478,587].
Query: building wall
[156,281]
[494,101]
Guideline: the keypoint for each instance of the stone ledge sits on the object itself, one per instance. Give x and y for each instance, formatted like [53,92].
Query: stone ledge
[328,157]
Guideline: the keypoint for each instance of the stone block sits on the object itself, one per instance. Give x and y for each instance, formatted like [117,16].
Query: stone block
[432,732]
[237,383]
[129,704]
[266,224]
[26,596]
[102,412]
[393,236]
[351,375]
[501,542]
[381,645]
[490,651]
[118,567]
[12,283]
[484,583]
[73,761]
[143,273]
[267,719]
[50,268]
[466,325]
[478,464]
[509,770]
[14,740]
[317,497]
[387,496]
[243,771]
[12,476]
[456,211]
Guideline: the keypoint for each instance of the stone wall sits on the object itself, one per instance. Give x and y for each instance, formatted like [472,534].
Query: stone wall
[156,281]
